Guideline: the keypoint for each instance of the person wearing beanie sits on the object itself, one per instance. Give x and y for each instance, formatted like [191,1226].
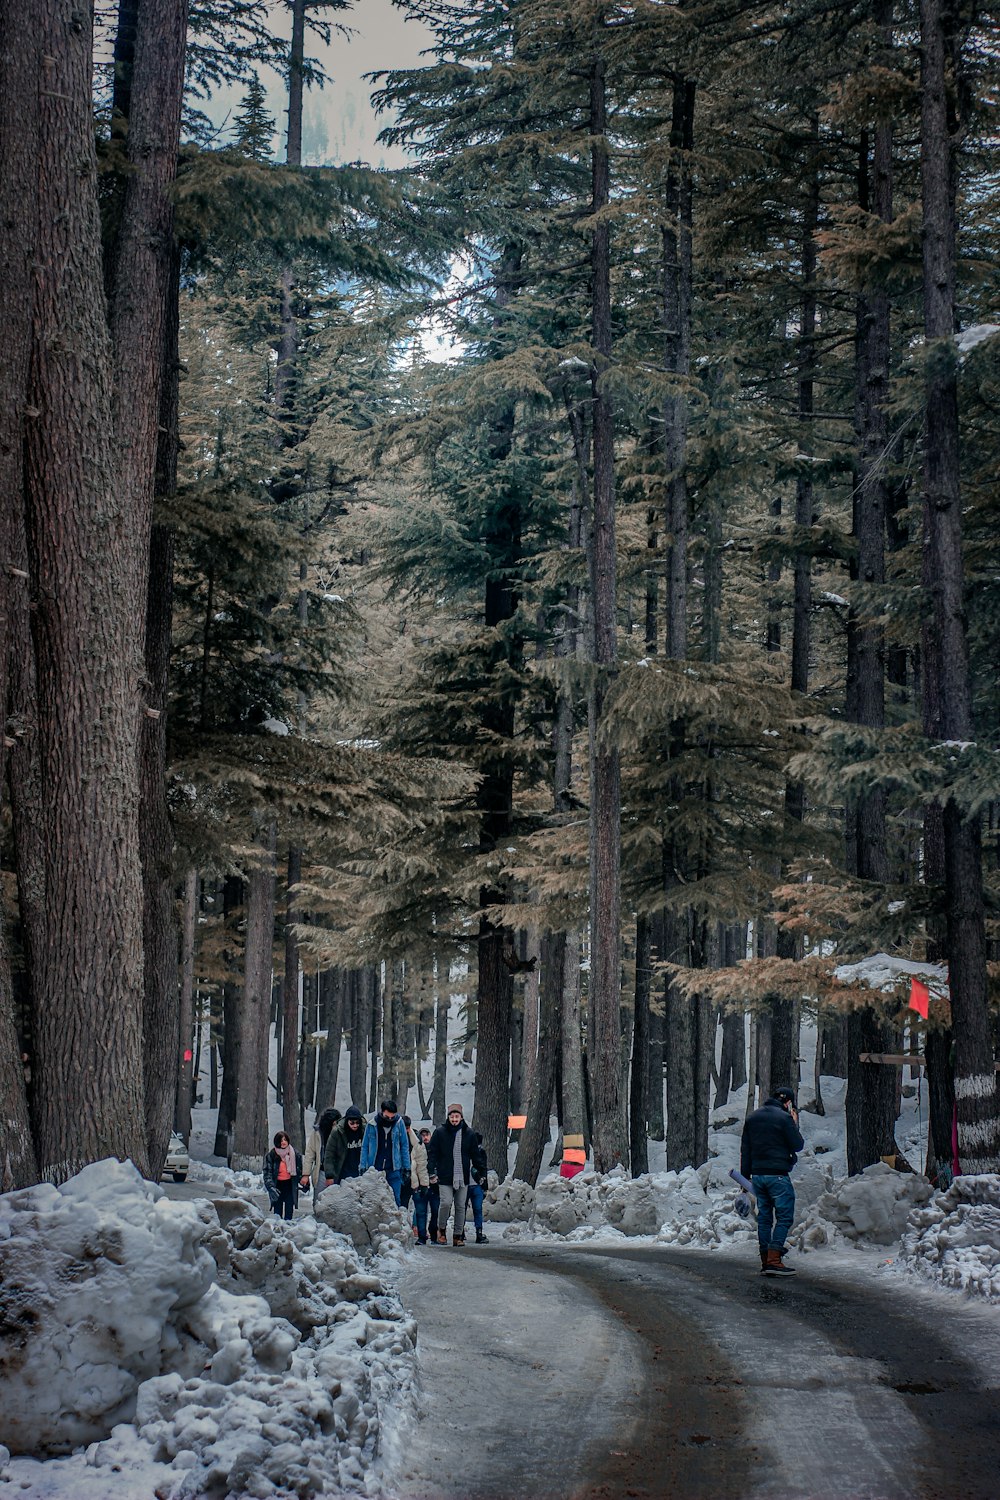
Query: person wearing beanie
[449,1164]
[768,1147]
[342,1157]
[386,1148]
[312,1162]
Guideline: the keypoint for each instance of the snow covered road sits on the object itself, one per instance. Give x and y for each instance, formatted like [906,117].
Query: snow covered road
[563,1372]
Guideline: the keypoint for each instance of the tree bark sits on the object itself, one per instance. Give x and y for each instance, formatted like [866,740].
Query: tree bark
[785,1013]
[18,210]
[182,1107]
[250,1132]
[88,1097]
[870,1103]
[535,1135]
[574,1113]
[332,990]
[440,1090]
[639,1091]
[232,902]
[360,1024]
[975,1079]
[291,1118]
[604,997]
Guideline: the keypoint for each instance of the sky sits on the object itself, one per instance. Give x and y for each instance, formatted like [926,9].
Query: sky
[339,124]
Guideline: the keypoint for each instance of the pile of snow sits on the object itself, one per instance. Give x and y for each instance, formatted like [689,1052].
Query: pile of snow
[694,1206]
[869,1209]
[207,1353]
[955,1239]
[364,1209]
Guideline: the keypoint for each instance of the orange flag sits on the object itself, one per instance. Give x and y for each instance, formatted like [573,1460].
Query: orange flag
[919,997]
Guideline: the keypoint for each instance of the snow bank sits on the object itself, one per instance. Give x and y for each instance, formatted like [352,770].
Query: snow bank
[869,1209]
[364,1209]
[98,1277]
[203,1353]
[696,1207]
[692,1206]
[954,1239]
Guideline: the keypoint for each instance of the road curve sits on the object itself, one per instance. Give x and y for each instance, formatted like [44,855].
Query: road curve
[654,1372]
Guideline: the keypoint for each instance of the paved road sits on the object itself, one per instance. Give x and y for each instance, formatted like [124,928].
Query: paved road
[571,1373]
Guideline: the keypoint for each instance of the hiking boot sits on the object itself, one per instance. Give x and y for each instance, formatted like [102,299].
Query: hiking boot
[763,1258]
[459,1239]
[775,1267]
[481,1238]
[442,1238]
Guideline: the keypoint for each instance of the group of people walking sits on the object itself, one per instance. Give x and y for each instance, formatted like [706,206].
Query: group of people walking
[437,1175]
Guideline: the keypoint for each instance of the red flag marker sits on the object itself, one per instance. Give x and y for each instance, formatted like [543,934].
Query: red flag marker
[919,997]
[188,1054]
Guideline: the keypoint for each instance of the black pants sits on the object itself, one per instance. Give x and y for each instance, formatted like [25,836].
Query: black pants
[285,1205]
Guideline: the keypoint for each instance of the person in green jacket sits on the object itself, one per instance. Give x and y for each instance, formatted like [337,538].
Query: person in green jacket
[342,1157]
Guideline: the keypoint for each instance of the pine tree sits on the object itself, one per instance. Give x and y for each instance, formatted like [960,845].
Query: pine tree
[253,127]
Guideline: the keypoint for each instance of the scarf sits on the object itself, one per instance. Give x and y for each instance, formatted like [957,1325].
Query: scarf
[458,1171]
[287,1155]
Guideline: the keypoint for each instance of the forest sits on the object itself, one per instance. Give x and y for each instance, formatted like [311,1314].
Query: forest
[629,669]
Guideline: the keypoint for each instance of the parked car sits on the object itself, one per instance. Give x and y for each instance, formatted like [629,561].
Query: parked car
[178,1161]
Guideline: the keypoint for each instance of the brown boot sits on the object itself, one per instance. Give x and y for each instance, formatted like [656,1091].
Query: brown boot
[775,1265]
[459,1239]
[442,1238]
[763,1257]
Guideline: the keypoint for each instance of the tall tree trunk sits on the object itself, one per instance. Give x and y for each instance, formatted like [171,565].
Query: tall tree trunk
[574,1111]
[291,1117]
[870,1103]
[535,1135]
[975,1078]
[441,1008]
[332,991]
[89,592]
[639,1100]
[232,1018]
[604,996]
[250,1132]
[296,66]
[785,1013]
[657,1021]
[18,210]
[371,987]
[182,1105]
[681,1029]
[360,1025]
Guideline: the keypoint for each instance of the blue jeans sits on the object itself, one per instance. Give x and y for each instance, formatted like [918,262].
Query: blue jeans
[476,1196]
[420,1197]
[395,1181]
[775,1207]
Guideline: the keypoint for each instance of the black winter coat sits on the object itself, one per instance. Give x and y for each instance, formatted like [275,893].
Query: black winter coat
[441,1157]
[770,1141]
[271,1163]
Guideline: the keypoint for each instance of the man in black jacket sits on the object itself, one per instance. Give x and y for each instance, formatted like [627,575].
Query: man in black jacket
[767,1154]
[449,1165]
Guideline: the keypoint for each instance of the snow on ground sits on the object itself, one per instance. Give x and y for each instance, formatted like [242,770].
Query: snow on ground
[191,1349]
[954,1239]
